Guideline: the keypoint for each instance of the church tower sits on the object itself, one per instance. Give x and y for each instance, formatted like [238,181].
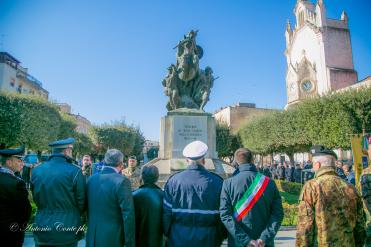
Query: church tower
[318,52]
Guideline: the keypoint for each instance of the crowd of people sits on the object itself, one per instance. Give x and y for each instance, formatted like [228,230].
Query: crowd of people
[302,172]
[114,205]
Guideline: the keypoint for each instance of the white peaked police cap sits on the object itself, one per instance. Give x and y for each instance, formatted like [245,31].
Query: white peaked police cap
[195,150]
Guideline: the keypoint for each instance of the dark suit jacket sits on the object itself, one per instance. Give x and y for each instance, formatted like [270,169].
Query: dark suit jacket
[265,217]
[15,208]
[111,219]
[148,215]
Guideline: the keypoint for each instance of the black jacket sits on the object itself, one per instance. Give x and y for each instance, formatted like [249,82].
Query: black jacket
[289,174]
[297,175]
[58,189]
[191,208]
[148,215]
[262,221]
[281,172]
[15,208]
[267,172]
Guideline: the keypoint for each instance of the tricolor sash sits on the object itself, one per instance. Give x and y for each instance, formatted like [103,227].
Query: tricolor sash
[251,196]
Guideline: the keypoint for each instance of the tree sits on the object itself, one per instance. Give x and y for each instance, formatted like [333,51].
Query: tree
[119,135]
[152,153]
[328,120]
[226,142]
[138,142]
[83,145]
[28,120]
[67,126]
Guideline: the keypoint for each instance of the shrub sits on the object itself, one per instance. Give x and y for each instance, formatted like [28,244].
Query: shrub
[289,187]
[28,120]
[119,135]
[324,120]
[290,214]
[35,122]
[290,198]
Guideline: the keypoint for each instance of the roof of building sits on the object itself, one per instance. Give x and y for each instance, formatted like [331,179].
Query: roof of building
[4,53]
[366,82]
[21,72]
[241,104]
[368,78]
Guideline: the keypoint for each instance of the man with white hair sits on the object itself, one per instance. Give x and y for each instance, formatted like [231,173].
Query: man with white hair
[191,203]
[111,219]
[330,209]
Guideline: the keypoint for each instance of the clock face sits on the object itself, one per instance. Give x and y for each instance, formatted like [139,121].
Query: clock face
[307,86]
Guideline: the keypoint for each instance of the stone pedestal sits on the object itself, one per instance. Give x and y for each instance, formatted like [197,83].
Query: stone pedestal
[180,128]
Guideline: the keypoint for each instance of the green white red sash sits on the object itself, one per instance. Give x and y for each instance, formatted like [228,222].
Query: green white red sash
[251,196]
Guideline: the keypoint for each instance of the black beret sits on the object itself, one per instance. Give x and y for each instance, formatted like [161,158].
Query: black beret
[318,150]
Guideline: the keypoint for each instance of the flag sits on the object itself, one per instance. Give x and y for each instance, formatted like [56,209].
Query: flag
[360,157]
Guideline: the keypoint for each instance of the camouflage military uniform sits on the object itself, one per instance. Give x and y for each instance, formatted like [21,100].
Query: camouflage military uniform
[133,175]
[366,194]
[330,212]
[86,170]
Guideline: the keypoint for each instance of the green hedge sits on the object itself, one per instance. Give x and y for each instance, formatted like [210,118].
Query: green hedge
[35,122]
[289,187]
[33,207]
[290,198]
[324,120]
[290,214]
[28,120]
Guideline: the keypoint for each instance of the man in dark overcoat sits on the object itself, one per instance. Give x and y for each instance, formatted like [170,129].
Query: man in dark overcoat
[15,208]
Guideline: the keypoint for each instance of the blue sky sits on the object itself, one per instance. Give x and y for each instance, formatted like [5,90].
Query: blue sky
[107,58]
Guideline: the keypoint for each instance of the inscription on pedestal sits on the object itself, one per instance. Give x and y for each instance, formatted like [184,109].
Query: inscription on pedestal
[188,129]
[190,133]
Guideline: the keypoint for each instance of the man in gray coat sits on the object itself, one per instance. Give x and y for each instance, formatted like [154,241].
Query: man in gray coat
[111,220]
[58,189]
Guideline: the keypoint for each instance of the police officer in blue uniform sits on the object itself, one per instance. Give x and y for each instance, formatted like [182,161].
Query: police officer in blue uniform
[58,189]
[191,203]
[15,208]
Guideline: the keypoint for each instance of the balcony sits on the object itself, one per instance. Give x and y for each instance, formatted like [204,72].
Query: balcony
[29,78]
